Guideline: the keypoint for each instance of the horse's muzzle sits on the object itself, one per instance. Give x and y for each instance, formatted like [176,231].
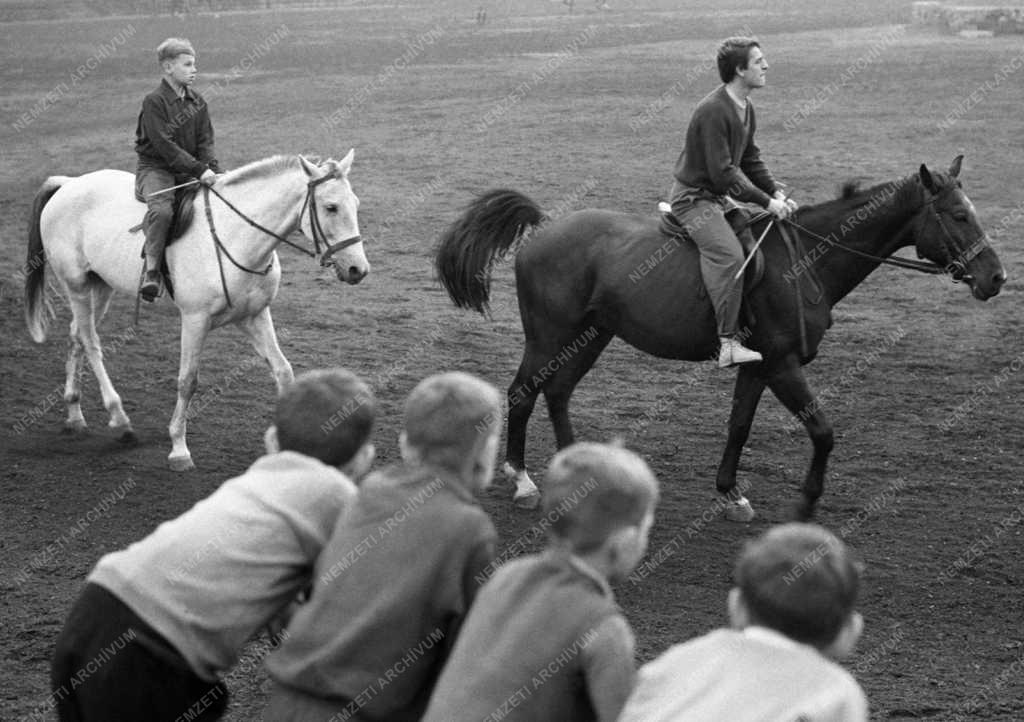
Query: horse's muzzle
[986,288]
[352,274]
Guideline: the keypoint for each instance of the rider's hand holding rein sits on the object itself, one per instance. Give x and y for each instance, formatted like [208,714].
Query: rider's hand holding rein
[780,207]
[208,178]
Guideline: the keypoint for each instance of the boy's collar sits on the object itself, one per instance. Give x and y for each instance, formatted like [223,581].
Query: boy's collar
[581,566]
[172,94]
[770,636]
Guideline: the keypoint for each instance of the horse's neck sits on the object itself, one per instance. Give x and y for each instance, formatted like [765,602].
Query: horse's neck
[274,202]
[879,232]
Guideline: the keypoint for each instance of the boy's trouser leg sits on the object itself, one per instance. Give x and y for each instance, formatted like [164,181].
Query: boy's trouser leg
[721,256]
[159,211]
[110,665]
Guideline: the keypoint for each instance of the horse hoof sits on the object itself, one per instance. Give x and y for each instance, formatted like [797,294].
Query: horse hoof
[180,463]
[739,511]
[75,427]
[128,437]
[529,500]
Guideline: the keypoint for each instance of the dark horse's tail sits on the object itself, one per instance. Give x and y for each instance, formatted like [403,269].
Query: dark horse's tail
[35,265]
[487,230]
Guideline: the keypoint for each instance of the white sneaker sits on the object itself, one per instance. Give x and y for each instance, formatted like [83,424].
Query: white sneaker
[733,353]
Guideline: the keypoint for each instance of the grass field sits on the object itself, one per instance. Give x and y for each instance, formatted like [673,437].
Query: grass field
[587,109]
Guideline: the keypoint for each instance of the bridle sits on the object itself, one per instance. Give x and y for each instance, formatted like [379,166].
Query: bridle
[316,228]
[956,263]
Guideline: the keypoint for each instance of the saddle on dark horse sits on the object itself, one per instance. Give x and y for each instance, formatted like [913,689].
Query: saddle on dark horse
[739,219]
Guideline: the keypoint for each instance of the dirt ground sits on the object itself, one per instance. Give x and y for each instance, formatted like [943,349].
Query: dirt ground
[922,382]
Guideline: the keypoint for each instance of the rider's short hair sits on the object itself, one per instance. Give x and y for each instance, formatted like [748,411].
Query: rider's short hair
[171,48]
[327,414]
[800,580]
[734,53]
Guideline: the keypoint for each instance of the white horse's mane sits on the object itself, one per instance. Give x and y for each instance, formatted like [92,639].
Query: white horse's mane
[260,168]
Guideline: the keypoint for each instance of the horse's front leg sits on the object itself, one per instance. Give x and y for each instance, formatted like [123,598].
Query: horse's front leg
[193,334]
[745,398]
[264,339]
[791,388]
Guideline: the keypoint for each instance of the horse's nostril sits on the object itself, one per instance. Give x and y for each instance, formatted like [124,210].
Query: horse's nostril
[354,272]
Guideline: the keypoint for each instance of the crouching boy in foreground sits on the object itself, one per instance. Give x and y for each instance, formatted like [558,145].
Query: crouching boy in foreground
[400,571]
[177,607]
[545,639]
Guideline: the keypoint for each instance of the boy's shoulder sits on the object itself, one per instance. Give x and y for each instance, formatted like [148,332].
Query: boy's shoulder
[424,492]
[291,477]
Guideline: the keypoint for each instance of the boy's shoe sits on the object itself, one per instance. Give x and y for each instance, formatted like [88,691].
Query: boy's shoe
[150,287]
[733,353]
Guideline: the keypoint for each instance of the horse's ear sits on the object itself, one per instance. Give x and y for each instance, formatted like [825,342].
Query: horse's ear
[346,163]
[308,166]
[954,167]
[926,179]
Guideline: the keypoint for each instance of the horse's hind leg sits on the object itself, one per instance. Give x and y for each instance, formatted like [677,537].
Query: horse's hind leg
[568,366]
[522,397]
[73,383]
[83,306]
[553,369]
[260,329]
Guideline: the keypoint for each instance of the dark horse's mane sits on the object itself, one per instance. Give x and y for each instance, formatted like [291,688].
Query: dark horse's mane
[853,196]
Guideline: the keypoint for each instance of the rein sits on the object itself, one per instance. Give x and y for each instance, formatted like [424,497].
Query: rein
[319,237]
[922,266]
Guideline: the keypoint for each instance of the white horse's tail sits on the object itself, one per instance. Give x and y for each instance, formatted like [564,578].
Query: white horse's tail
[35,266]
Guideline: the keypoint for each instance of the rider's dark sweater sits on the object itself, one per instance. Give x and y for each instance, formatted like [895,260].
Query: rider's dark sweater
[720,157]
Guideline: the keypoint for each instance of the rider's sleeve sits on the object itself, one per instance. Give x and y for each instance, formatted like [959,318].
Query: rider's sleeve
[204,139]
[726,177]
[753,166]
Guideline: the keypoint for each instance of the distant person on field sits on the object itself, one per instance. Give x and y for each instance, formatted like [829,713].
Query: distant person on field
[401,569]
[720,161]
[174,144]
[792,613]
[179,605]
[545,639]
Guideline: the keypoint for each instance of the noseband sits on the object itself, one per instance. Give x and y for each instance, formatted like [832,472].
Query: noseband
[956,265]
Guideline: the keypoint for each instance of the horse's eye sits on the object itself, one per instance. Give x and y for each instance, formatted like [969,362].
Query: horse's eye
[331,208]
[959,216]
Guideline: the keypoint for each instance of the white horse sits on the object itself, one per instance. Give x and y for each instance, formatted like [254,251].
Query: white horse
[224,268]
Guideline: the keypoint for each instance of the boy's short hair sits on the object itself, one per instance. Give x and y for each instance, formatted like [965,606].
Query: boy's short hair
[327,414]
[592,490]
[734,53]
[447,414]
[799,579]
[171,48]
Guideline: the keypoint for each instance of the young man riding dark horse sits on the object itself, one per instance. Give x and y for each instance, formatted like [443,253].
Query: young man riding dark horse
[719,162]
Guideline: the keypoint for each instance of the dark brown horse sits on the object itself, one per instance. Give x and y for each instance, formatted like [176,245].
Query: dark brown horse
[595,274]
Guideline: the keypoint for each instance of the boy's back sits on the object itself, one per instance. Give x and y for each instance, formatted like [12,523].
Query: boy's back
[542,629]
[753,675]
[390,589]
[213,576]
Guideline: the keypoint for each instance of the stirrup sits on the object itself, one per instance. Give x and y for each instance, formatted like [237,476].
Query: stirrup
[151,286]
